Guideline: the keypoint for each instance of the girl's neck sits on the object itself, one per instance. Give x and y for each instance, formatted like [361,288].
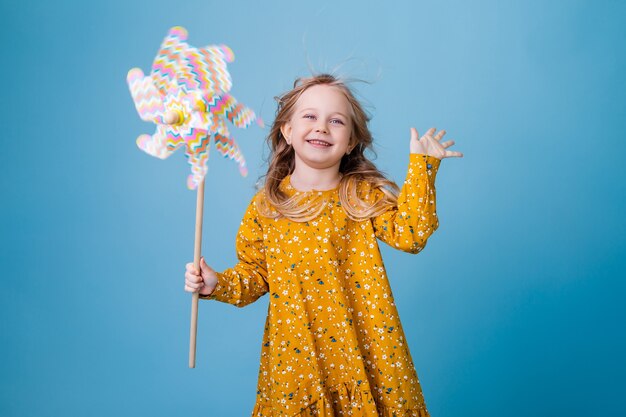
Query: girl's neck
[307,178]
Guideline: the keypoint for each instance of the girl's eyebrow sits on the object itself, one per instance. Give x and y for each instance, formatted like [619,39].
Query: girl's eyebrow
[312,109]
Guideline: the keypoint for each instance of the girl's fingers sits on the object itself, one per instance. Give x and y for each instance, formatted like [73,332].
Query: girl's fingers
[437,145]
[429,132]
[454,154]
[191,289]
[191,268]
[194,285]
[193,278]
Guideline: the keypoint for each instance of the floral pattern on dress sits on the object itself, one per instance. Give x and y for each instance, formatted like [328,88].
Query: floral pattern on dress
[333,344]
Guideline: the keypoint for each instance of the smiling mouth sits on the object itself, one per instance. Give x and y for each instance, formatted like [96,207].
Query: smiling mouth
[319,142]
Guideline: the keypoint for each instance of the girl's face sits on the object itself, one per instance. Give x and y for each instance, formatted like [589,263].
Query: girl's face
[320,128]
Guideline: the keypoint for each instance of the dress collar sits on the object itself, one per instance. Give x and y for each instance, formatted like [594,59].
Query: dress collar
[286,187]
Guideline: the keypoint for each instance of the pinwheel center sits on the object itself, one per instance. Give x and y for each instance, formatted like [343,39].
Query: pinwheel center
[199,106]
[174,117]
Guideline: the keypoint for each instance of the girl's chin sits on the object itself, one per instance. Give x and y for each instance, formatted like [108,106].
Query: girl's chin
[319,161]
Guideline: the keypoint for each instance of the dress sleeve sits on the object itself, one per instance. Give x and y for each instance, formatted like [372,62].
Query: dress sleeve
[409,225]
[247,280]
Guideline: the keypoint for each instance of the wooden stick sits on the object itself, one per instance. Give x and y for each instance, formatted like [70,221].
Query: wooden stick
[196,262]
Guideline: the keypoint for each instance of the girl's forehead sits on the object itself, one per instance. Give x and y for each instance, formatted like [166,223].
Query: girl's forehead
[324,97]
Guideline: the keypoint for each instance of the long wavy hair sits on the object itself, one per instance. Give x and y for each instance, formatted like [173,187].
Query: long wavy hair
[354,167]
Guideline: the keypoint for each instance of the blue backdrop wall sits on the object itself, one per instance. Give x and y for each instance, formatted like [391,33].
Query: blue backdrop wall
[515,308]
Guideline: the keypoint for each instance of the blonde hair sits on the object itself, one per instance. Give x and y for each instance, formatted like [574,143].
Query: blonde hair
[354,167]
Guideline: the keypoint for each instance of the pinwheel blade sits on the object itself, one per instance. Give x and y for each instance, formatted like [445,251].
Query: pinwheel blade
[148,100]
[228,148]
[197,153]
[226,106]
[161,144]
[205,69]
[168,63]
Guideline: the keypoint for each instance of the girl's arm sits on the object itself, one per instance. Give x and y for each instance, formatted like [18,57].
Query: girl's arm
[247,280]
[409,225]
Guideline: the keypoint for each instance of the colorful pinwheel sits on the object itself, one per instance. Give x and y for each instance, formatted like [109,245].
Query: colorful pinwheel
[186,95]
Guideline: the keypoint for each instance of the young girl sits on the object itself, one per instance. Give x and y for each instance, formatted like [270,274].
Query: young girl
[333,342]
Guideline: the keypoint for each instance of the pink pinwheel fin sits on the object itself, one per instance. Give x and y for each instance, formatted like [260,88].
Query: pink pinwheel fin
[161,144]
[168,62]
[147,98]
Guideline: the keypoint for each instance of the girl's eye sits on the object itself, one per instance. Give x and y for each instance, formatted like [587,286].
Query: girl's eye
[309,116]
[337,121]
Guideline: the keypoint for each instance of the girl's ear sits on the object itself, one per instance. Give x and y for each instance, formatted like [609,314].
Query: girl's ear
[286,131]
[352,145]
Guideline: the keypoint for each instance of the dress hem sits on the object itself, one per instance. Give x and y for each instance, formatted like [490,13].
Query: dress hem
[342,400]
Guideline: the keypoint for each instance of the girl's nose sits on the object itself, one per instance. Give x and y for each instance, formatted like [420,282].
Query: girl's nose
[321,129]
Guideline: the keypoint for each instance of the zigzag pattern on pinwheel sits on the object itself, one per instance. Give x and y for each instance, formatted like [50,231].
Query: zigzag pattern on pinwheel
[147,99]
[229,149]
[193,70]
[215,103]
[161,144]
[227,106]
[227,53]
[242,116]
[220,77]
[207,71]
[218,125]
[197,140]
[167,63]
[194,73]
[198,156]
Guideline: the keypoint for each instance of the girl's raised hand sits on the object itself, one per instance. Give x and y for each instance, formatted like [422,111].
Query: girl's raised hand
[432,145]
[204,282]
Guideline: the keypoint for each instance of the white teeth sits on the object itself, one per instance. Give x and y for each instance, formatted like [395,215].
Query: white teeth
[319,142]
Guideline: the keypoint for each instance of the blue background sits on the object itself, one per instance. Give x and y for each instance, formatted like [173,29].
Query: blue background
[515,308]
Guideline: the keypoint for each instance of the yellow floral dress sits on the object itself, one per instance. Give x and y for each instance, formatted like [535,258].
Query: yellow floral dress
[333,343]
